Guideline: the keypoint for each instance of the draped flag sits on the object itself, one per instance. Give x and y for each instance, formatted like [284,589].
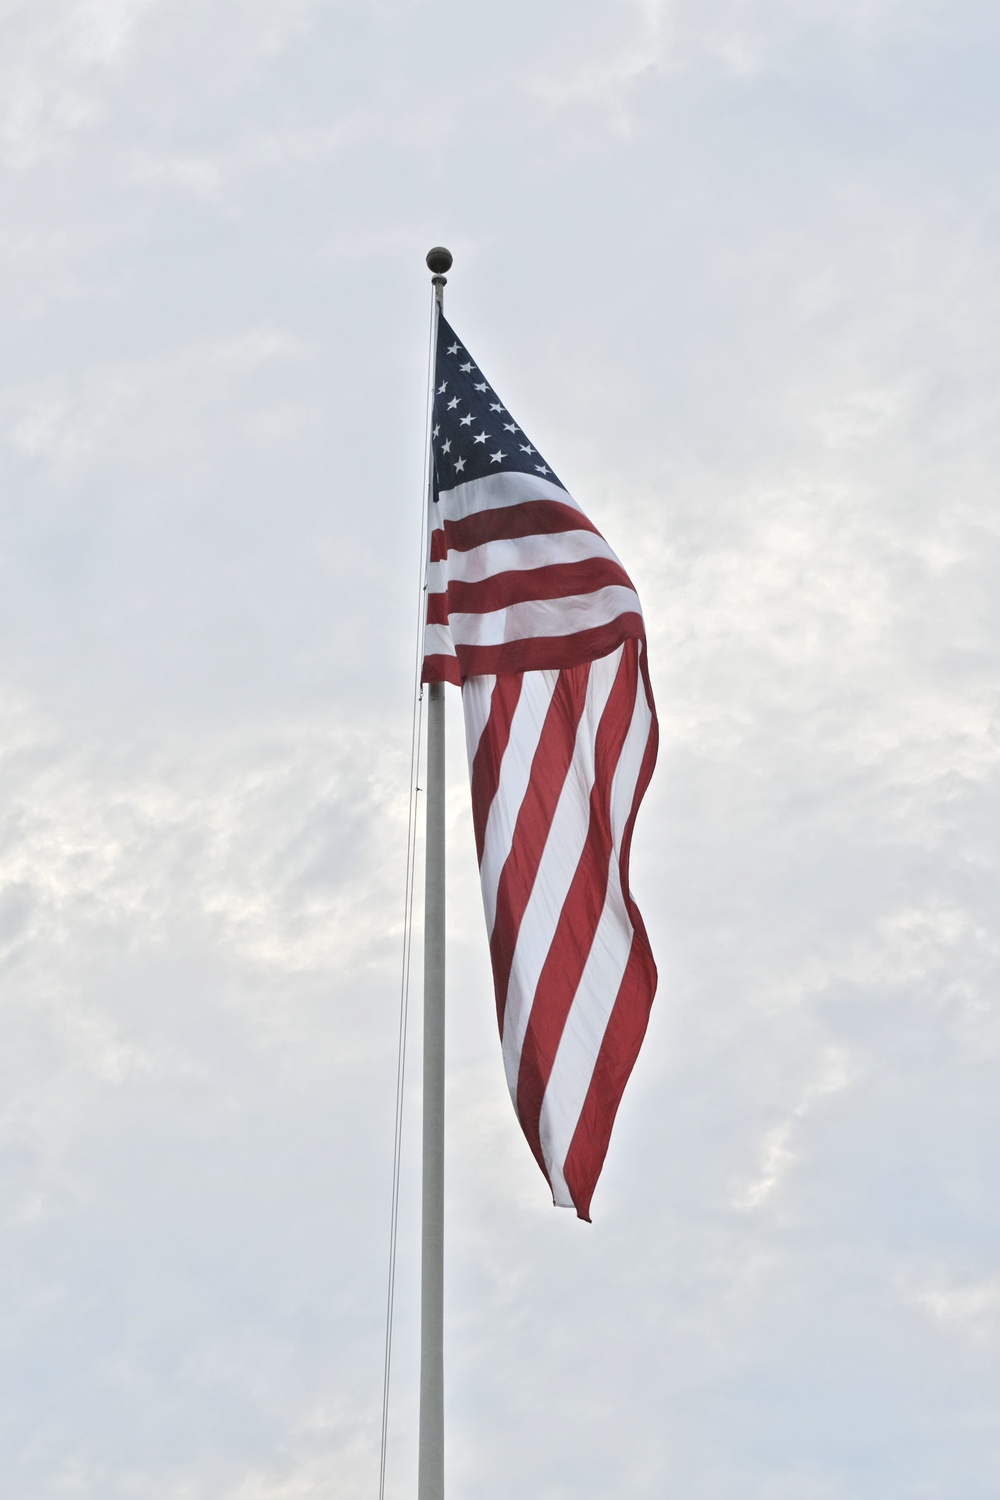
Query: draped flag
[530,611]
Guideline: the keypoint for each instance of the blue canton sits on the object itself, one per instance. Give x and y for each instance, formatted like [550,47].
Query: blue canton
[473,432]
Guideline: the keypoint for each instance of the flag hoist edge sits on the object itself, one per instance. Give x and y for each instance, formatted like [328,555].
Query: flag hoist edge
[531,613]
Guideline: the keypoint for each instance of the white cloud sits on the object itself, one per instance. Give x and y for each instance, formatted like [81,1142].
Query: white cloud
[750,37]
[608,74]
[753,323]
[972,1309]
[778,1152]
[55,71]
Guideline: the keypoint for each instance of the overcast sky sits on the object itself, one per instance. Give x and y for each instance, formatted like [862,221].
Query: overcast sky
[733,266]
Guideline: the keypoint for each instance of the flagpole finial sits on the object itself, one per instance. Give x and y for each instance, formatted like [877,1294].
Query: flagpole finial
[439,261]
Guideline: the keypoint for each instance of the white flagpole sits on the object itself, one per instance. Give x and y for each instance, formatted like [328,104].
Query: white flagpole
[430,1480]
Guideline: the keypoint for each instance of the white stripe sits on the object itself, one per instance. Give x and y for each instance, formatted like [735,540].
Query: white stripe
[515,769]
[536,618]
[515,555]
[580,1043]
[438,641]
[496,492]
[573,1068]
[563,847]
[630,764]
[476,695]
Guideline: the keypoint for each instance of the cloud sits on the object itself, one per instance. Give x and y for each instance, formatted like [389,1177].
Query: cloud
[103,408]
[778,1153]
[972,1309]
[734,267]
[608,74]
[748,40]
[57,69]
[668,38]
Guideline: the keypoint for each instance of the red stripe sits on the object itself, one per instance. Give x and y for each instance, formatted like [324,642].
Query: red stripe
[615,1060]
[553,581]
[437,609]
[490,753]
[574,936]
[549,766]
[538,652]
[439,545]
[534,653]
[629,1017]
[505,523]
[441,668]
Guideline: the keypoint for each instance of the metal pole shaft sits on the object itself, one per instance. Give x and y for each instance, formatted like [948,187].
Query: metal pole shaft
[431,1461]
[430,1475]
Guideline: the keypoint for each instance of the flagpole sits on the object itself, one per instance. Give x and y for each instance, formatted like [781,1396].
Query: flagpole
[430,1474]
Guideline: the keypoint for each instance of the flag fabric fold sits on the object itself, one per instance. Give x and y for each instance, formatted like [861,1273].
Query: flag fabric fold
[532,614]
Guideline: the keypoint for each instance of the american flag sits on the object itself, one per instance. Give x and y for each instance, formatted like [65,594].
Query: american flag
[530,611]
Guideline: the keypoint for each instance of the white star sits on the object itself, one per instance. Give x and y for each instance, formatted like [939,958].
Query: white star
[459,465]
[483,387]
[442,387]
[510,427]
[466,368]
[446,447]
[495,406]
[481,438]
[454,348]
[435,432]
[497,456]
[453,403]
[542,469]
[466,421]
[527,448]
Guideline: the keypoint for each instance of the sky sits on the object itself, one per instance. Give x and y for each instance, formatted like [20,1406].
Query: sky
[732,264]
